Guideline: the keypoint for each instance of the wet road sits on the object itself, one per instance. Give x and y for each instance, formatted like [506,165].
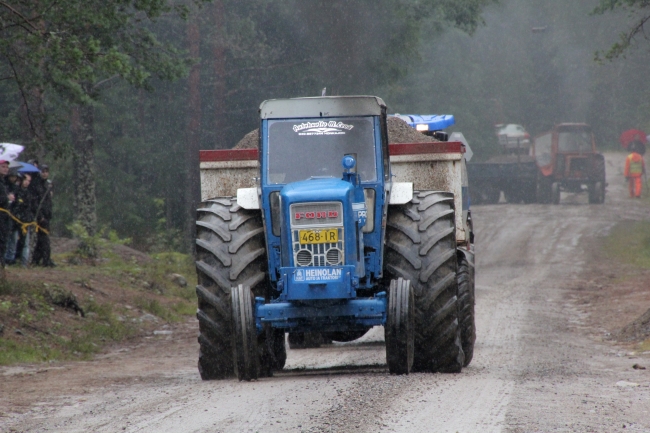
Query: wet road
[533,369]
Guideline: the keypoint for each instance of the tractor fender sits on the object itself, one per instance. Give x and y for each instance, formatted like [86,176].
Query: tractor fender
[401,193]
[248,198]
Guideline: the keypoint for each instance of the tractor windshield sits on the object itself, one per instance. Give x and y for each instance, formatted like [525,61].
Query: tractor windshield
[301,148]
[574,142]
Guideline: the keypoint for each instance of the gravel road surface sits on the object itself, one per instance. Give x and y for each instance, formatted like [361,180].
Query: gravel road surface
[534,367]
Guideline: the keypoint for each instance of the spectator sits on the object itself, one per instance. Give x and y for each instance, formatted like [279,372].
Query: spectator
[23,209]
[12,181]
[5,199]
[41,188]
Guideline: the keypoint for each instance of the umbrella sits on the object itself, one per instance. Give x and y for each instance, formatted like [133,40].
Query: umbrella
[631,135]
[27,168]
[9,151]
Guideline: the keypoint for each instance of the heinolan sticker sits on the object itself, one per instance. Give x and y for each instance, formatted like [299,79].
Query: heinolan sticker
[325,274]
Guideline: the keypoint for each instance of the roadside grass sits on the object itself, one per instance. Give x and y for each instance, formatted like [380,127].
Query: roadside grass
[629,242]
[644,346]
[33,329]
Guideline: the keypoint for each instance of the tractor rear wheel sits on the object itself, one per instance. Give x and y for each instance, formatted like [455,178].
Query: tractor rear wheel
[421,247]
[399,327]
[555,193]
[230,250]
[244,335]
[596,192]
[466,300]
[544,193]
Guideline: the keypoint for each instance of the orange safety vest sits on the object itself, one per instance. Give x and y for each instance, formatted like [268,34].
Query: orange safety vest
[634,165]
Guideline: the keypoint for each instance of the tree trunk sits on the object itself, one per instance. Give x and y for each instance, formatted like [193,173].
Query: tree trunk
[219,62]
[193,188]
[83,167]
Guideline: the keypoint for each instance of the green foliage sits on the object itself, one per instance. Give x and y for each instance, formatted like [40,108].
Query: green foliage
[639,10]
[94,52]
[91,246]
[59,52]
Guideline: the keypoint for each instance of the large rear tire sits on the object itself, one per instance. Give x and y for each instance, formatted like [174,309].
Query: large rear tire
[399,327]
[421,247]
[230,251]
[467,301]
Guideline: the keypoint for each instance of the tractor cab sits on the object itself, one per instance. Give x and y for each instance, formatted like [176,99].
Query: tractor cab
[324,164]
[568,161]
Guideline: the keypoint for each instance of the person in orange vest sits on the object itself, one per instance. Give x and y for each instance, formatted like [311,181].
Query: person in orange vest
[635,169]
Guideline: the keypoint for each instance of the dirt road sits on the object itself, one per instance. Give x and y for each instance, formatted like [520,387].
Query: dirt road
[535,368]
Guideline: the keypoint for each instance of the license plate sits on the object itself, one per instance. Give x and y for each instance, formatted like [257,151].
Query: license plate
[323,236]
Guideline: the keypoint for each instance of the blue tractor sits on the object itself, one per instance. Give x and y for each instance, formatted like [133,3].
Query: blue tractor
[327,244]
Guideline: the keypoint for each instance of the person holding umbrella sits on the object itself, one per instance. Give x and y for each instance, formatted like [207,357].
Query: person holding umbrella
[635,168]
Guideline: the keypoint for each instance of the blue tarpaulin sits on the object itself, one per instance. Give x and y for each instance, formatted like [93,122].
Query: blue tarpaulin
[433,122]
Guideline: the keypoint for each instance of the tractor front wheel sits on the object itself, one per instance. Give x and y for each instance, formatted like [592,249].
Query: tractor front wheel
[399,327]
[244,336]
[466,300]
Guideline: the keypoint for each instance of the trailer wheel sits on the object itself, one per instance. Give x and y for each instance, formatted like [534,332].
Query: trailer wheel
[466,300]
[555,193]
[230,251]
[244,335]
[398,331]
[421,247]
[596,193]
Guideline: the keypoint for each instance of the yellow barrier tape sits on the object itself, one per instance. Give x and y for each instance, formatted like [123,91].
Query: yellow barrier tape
[25,226]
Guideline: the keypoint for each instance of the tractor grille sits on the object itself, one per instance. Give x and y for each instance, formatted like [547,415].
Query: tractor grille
[329,254]
[315,216]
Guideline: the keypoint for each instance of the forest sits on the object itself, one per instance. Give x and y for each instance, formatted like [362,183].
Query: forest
[119,96]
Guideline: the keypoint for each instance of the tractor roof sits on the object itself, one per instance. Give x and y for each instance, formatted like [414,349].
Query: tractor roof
[322,106]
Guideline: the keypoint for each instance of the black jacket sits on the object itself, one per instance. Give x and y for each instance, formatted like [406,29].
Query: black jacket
[5,220]
[42,195]
[24,206]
